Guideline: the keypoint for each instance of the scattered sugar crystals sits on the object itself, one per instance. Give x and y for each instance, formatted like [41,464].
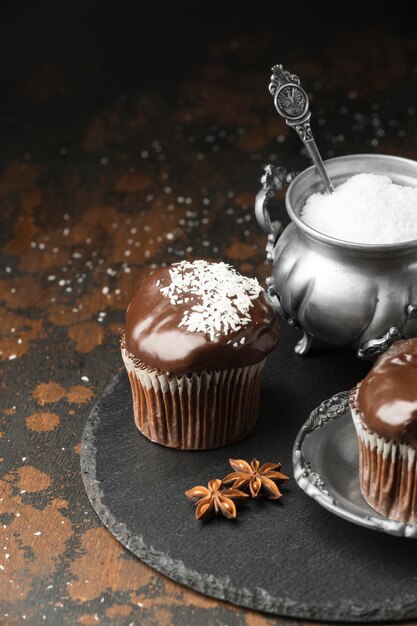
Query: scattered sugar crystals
[224,296]
[367,208]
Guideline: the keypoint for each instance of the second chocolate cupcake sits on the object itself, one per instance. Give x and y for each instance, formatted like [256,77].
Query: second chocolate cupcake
[384,411]
[195,342]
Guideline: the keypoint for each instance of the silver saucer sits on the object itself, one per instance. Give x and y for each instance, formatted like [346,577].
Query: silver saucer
[326,467]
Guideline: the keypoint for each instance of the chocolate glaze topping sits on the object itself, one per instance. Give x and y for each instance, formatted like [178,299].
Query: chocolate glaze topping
[387,397]
[153,334]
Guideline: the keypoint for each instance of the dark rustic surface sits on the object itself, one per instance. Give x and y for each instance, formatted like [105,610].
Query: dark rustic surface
[130,139]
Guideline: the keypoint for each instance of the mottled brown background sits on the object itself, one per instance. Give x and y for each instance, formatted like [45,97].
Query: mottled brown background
[131,138]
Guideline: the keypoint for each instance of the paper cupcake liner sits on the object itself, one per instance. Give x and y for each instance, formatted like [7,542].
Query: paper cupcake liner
[195,411]
[388,473]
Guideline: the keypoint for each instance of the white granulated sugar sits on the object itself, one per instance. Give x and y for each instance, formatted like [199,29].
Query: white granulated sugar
[224,296]
[367,208]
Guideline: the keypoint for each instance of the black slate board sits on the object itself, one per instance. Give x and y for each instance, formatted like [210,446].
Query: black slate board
[291,557]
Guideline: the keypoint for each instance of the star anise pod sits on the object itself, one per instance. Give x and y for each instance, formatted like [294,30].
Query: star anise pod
[257,477]
[214,499]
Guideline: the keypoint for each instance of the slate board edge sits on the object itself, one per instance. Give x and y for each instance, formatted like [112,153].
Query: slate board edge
[220,588]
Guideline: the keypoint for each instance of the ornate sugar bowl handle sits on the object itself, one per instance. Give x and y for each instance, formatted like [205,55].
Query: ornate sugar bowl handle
[291,102]
[273,180]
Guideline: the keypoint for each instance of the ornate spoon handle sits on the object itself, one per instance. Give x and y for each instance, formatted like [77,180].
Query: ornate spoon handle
[292,104]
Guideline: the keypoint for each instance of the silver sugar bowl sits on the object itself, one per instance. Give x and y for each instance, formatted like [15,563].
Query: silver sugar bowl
[341,294]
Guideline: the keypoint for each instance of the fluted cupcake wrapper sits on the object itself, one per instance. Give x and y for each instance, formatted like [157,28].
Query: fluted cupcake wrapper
[195,411]
[388,474]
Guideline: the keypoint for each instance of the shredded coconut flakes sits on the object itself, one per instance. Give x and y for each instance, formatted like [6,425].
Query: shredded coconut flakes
[224,296]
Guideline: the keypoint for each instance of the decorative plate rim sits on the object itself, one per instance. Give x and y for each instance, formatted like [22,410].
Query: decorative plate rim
[313,484]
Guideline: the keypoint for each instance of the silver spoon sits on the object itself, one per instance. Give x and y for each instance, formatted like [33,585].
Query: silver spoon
[292,104]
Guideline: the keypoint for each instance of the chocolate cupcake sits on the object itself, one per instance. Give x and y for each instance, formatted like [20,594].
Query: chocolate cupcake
[384,410]
[194,346]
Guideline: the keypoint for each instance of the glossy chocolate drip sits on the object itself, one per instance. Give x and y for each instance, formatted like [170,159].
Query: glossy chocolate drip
[387,397]
[153,335]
